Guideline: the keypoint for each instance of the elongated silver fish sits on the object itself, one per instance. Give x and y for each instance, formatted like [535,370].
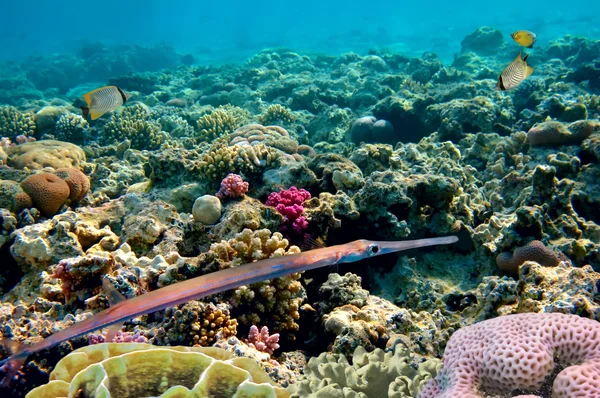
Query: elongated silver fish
[102,100]
[514,73]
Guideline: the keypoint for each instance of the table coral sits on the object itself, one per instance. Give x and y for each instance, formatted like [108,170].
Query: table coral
[393,374]
[134,369]
[518,352]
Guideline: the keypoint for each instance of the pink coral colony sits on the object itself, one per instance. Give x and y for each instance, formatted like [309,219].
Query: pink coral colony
[232,186]
[288,203]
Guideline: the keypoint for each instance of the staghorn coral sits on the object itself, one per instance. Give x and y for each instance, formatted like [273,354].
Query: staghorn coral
[71,128]
[518,352]
[128,370]
[14,123]
[533,251]
[195,323]
[276,113]
[393,374]
[133,123]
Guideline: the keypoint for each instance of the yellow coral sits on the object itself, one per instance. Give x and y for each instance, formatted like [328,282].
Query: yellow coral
[274,113]
[222,159]
[279,298]
[126,370]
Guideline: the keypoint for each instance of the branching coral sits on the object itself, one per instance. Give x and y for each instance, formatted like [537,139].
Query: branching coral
[220,122]
[277,300]
[14,123]
[222,159]
[134,124]
[71,128]
[276,113]
[195,323]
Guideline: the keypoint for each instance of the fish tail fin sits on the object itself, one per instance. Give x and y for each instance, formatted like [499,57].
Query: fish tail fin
[525,57]
[530,46]
[529,70]
[85,110]
[11,365]
[88,98]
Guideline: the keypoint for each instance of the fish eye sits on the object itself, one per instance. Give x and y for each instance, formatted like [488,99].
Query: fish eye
[373,249]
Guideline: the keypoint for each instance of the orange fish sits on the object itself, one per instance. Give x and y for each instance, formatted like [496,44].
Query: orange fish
[102,100]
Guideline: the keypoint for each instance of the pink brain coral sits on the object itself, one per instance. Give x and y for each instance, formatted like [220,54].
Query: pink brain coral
[518,352]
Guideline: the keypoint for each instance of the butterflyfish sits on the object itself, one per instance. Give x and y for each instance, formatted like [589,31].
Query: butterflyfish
[524,38]
[102,100]
[514,73]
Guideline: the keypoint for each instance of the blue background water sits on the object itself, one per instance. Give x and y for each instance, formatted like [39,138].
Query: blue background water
[231,30]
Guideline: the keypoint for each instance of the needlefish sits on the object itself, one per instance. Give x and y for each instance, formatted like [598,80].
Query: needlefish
[216,282]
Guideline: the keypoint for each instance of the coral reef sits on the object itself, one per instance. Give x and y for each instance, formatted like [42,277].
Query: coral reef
[133,123]
[14,123]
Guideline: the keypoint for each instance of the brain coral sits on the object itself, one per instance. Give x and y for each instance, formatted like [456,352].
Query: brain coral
[48,192]
[130,370]
[78,182]
[533,251]
[47,153]
[518,352]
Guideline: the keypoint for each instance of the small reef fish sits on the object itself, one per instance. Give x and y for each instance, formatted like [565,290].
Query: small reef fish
[213,283]
[102,100]
[514,73]
[524,38]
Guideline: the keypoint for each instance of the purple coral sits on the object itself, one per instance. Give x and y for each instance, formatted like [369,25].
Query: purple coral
[512,352]
[288,203]
[232,186]
[262,341]
[120,337]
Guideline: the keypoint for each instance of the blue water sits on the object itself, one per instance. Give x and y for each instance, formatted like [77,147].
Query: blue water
[225,31]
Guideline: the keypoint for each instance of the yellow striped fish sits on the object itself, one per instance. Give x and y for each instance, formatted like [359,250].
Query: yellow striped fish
[102,100]
[514,73]
[524,38]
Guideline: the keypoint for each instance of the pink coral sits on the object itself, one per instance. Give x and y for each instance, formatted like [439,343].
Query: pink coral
[518,352]
[262,341]
[120,337]
[232,186]
[288,202]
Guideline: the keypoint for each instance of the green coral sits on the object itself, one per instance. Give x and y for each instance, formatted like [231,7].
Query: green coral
[276,113]
[14,123]
[135,124]
[395,374]
[71,128]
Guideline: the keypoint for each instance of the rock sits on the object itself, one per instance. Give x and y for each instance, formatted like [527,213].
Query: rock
[207,209]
